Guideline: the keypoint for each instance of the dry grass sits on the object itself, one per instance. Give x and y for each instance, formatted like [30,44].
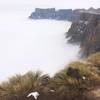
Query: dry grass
[68,84]
[24,83]
[95,60]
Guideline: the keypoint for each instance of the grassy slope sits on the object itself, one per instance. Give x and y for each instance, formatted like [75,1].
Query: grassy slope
[77,81]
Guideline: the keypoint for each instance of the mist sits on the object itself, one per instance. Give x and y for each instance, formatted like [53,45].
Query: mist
[35,45]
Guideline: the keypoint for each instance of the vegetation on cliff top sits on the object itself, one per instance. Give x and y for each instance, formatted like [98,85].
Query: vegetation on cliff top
[73,82]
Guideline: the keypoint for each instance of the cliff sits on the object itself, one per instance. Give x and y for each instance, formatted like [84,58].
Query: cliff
[86,32]
[60,14]
[52,13]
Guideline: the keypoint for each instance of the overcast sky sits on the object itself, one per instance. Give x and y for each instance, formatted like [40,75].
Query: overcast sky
[29,4]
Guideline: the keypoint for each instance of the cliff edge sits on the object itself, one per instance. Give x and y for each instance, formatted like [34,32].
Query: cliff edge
[86,33]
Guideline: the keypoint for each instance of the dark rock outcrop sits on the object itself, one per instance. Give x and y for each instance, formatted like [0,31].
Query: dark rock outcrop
[74,73]
[86,32]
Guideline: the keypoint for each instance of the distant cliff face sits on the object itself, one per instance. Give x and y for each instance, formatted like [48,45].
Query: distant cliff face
[52,13]
[61,14]
[86,32]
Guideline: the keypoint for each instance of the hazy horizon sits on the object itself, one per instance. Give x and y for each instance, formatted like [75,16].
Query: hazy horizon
[9,5]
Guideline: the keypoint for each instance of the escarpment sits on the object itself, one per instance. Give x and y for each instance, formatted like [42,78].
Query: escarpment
[86,33]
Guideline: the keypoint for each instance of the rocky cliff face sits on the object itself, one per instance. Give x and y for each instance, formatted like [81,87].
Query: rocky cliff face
[86,32]
[60,14]
[52,13]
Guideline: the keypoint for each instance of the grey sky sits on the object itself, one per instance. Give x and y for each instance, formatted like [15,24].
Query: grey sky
[29,4]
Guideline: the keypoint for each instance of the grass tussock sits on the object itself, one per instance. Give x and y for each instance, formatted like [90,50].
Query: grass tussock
[95,60]
[23,83]
[73,82]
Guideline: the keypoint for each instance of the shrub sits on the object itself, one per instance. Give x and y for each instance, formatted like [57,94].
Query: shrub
[75,80]
[24,83]
[87,71]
